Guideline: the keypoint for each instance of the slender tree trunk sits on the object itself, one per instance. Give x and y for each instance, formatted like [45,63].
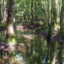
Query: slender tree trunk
[0,10]
[52,53]
[62,32]
[10,22]
[39,49]
[31,13]
[49,30]
[62,19]
[60,53]
[51,23]
[31,23]
[31,51]
[10,19]
[4,11]
[10,29]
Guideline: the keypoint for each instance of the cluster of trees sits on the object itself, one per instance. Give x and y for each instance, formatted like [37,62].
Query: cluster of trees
[34,28]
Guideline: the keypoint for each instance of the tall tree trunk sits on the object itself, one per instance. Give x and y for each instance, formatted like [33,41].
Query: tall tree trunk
[52,53]
[10,29]
[62,19]
[49,30]
[51,23]
[4,11]
[60,53]
[61,31]
[39,48]
[10,21]
[31,18]
[0,10]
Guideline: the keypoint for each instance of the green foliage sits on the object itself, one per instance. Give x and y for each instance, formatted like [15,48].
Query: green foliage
[3,24]
[12,41]
[44,18]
